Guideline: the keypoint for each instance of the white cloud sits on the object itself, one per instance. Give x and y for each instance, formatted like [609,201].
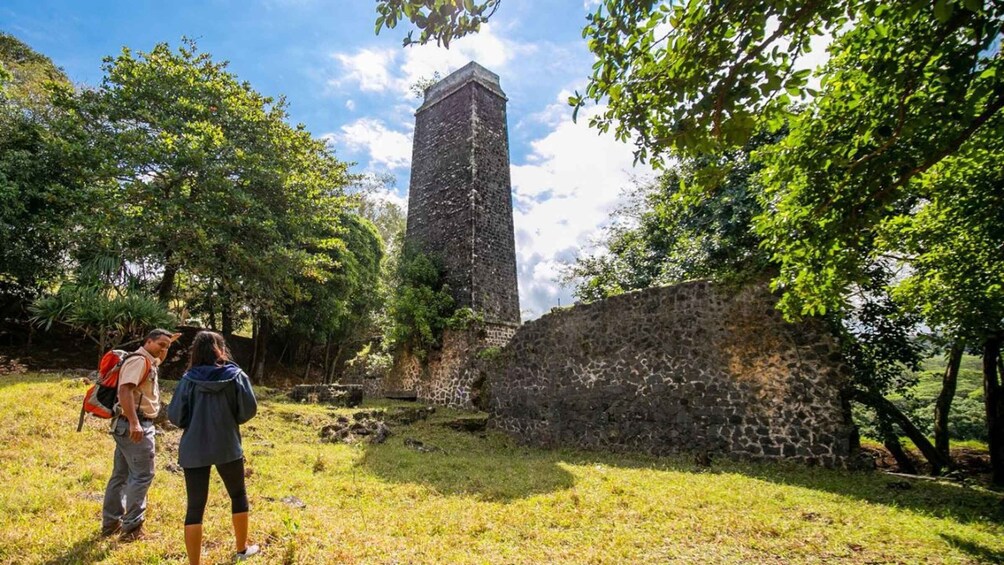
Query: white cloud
[564,194]
[816,58]
[384,147]
[350,105]
[395,70]
[390,195]
[367,68]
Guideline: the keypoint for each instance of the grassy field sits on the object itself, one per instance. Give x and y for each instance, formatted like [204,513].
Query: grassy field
[476,500]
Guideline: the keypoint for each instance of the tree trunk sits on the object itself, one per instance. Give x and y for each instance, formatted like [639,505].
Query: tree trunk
[101,348]
[254,343]
[334,362]
[260,349]
[310,357]
[285,348]
[887,409]
[891,442]
[327,361]
[943,405]
[166,286]
[994,401]
[211,305]
[228,323]
[226,312]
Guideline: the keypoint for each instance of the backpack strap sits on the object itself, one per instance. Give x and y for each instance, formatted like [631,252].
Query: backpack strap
[80,422]
[146,372]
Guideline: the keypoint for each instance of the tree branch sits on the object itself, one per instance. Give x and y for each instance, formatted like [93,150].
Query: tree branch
[887,408]
[726,85]
[950,148]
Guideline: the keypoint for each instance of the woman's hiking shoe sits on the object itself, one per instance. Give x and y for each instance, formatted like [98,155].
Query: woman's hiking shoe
[248,552]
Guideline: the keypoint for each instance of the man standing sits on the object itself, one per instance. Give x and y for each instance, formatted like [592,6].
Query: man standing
[139,399]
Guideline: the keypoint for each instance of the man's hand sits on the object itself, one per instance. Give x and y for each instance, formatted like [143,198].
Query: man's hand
[135,431]
[128,404]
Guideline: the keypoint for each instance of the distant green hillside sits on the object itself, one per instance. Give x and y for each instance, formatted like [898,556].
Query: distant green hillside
[967,420]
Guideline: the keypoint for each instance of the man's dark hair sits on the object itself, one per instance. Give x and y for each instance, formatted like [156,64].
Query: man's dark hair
[154,334]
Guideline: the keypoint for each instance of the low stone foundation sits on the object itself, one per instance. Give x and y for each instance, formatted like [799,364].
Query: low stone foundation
[339,394]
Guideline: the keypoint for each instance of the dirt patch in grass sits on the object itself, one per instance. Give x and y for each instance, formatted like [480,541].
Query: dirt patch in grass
[969,464]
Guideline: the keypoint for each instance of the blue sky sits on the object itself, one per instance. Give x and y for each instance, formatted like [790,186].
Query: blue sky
[351,87]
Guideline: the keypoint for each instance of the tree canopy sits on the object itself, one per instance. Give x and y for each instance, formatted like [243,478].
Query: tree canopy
[182,181]
[207,176]
[39,190]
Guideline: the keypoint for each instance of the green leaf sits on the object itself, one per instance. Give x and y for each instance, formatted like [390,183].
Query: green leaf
[942,10]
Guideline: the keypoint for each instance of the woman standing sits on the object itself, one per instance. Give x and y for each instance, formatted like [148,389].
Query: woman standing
[212,400]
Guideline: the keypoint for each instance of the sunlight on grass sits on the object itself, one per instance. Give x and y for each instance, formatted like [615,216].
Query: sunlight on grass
[472,500]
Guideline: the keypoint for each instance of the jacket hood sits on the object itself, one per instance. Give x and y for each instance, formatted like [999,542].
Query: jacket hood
[212,377]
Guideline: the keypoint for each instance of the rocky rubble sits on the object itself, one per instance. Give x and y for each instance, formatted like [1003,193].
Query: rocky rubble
[362,426]
[371,425]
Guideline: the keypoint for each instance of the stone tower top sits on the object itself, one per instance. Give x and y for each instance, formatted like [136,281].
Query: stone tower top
[471,72]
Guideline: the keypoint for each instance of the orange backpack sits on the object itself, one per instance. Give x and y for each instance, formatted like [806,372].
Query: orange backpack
[102,398]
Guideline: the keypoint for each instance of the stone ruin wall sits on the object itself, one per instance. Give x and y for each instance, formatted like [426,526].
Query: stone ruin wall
[687,368]
[452,375]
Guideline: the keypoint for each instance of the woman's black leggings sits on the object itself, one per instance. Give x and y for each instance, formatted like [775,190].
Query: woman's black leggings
[197,488]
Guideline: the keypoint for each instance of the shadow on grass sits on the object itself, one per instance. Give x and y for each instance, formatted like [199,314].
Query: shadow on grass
[939,499]
[457,463]
[496,468]
[977,551]
[87,550]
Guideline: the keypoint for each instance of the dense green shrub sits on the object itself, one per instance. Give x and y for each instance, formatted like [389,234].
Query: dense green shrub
[420,305]
[107,317]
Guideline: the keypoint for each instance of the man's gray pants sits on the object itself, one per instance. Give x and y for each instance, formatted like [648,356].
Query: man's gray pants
[132,473]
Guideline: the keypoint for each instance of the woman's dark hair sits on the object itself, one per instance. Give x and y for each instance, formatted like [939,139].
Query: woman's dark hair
[207,348]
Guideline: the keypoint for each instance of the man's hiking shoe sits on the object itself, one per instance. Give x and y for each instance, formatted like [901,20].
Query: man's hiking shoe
[111,530]
[248,552]
[134,533]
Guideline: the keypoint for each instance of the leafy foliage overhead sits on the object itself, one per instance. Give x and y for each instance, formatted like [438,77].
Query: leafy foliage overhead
[439,20]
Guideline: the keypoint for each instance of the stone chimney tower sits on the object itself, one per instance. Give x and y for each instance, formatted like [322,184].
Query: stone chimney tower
[459,201]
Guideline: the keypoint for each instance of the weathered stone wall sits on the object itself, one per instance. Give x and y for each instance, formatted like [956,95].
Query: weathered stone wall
[687,368]
[459,199]
[350,395]
[452,375]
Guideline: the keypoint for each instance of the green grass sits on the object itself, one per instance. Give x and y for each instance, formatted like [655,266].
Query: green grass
[478,500]
[937,363]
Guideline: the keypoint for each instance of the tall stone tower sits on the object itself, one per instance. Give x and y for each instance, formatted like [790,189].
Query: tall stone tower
[459,201]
